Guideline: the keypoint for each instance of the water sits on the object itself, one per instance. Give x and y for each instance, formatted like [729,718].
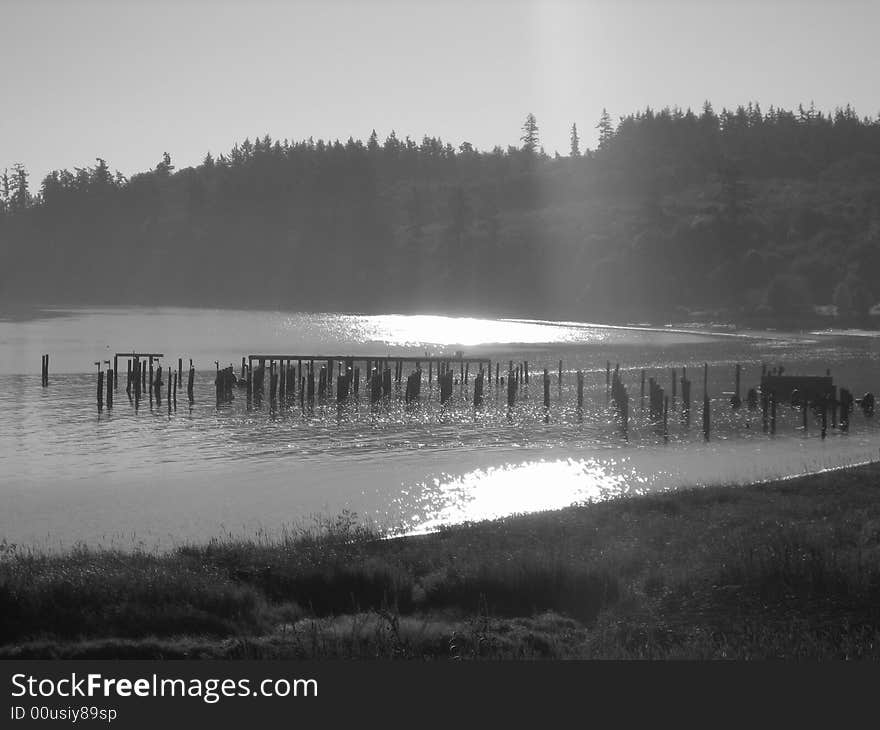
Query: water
[156,479]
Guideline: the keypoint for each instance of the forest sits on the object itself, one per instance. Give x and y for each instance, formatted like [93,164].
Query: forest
[739,216]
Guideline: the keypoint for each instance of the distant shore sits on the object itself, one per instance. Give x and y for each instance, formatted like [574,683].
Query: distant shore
[787,569]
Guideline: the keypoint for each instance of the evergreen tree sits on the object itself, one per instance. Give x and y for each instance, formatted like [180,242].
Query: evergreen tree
[20,198]
[530,138]
[575,142]
[606,129]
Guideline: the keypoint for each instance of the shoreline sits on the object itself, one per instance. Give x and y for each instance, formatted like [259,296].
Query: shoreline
[784,569]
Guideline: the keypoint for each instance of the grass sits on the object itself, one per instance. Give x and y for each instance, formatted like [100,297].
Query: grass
[789,569]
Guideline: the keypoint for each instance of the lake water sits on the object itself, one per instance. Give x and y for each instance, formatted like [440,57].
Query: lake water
[151,478]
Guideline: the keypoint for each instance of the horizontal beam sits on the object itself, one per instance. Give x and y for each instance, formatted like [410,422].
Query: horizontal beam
[374,358]
[139,354]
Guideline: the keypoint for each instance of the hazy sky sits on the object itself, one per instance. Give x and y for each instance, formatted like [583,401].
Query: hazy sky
[128,80]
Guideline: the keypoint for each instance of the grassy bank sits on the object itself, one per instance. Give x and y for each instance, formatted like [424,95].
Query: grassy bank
[788,569]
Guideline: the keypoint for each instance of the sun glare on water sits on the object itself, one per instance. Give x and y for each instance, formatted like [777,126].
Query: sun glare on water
[411,330]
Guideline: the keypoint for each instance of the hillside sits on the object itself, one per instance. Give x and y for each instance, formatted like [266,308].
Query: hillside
[752,216]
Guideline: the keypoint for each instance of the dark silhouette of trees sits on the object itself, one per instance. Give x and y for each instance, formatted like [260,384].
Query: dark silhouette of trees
[746,212]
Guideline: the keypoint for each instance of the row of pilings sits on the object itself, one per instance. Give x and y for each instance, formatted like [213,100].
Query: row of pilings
[147,380]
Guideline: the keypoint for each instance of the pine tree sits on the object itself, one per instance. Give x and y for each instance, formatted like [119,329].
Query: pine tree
[606,129]
[20,198]
[575,142]
[530,138]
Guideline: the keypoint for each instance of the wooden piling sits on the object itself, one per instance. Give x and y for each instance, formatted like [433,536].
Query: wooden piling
[772,413]
[735,400]
[168,395]
[100,388]
[511,387]
[478,390]
[282,380]
[707,426]
[115,370]
[580,389]
[666,417]
[546,396]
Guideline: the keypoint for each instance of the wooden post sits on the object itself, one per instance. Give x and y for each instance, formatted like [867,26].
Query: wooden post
[282,381]
[497,366]
[580,387]
[168,396]
[111,380]
[115,370]
[834,402]
[666,418]
[340,389]
[511,387]
[526,370]
[100,388]
[706,418]
[736,401]
[191,382]
[250,383]
[478,390]
[546,396]
[151,380]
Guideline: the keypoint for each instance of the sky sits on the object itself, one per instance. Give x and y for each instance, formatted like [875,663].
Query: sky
[127,80]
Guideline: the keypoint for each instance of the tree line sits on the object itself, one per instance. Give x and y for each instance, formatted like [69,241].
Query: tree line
[745,212]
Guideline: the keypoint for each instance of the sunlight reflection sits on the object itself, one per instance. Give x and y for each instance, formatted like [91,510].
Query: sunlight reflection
[408,330]
[511,489]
